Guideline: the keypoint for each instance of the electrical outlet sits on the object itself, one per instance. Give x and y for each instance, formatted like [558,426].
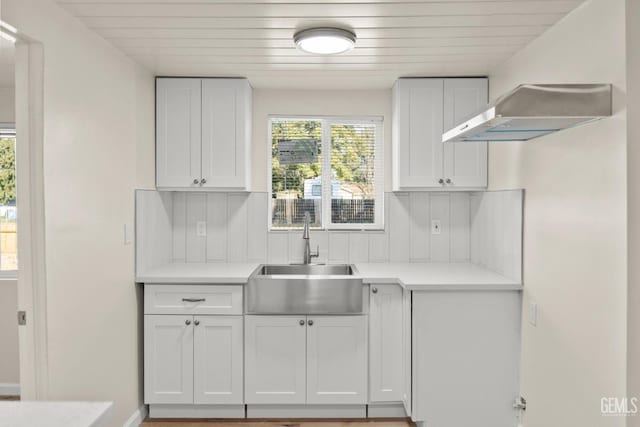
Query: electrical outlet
[435,226]
[533,313]
[201,229]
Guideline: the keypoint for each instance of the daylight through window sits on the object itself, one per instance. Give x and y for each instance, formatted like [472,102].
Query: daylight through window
[8,211]
[329,167]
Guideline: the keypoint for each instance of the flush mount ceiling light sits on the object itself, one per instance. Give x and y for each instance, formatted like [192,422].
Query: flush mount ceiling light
[325,41]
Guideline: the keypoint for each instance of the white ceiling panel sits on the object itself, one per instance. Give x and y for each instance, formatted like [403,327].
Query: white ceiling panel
[254,38]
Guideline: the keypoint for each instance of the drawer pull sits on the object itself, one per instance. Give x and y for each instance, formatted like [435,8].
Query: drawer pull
[194,299]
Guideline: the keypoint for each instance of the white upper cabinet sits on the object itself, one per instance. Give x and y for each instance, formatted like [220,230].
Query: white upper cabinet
[203,134]
[226,133]
[417,128]
[178,133]
[422,109]
[465,163]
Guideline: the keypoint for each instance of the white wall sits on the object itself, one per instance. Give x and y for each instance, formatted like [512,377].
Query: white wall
[633,201]
[314,102]
[575,224]
[96,104]
[7,105]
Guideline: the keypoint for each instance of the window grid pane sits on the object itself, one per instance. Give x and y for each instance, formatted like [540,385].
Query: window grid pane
[296,172]
[353,173]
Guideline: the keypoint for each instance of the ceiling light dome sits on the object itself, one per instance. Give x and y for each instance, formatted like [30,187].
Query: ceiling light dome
[325,41]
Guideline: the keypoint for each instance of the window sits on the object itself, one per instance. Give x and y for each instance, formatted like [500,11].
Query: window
[8,211]
[329,167]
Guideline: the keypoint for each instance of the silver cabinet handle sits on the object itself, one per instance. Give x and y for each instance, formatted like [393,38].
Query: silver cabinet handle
[187,322]
[194,299]
[203,181]
[374,290]
[310,323]
[441,181]
[301,323]
[448,181]
[196,322]
[195,181]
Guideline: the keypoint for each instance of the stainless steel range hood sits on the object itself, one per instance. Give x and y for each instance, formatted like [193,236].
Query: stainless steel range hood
[530,111]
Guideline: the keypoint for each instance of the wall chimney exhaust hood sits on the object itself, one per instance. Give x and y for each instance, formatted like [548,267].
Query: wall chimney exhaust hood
[530,111]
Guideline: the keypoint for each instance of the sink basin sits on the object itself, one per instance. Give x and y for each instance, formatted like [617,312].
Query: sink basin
[306,270]
[304,289]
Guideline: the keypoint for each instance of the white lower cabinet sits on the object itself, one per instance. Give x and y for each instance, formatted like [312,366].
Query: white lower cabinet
[275,359]
[217,360]
[337,360]
[466,353]
[386,350]
[168,359]
[192,359]
[305,359]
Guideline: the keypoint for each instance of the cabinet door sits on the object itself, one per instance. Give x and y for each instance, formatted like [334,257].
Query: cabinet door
[465,163]
[337,360]
[218,359]
[275,359]
[417,131]
[386,344]
[168,359]
[178,133]
[466,356]
[225,133]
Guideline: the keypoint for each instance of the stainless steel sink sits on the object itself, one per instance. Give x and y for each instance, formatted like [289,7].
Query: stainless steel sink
[304,289]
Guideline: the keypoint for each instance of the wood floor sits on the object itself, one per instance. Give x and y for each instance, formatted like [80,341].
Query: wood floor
[280,423]
[9,397]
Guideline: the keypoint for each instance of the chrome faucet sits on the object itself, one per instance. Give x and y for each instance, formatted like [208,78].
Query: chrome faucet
[305,235]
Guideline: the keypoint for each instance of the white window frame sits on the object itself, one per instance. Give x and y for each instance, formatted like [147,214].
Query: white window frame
[327,122]
[9,274]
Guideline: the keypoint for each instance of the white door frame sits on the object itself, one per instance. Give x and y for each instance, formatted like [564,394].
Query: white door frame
[32,290]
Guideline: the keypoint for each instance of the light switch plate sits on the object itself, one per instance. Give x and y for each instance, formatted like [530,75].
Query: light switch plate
[128,234]
[201,229]
[435,226]
[533,313]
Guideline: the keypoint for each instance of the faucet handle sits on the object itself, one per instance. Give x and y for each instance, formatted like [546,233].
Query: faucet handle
[317,254]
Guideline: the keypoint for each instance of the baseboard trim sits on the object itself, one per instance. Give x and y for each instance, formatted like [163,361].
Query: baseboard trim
[306,411]
[386,410]
[9,389]
[196,411]
[137,417]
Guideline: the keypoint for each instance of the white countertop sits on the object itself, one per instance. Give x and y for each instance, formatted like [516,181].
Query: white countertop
[199,273]
[412,276]
[433,276]
[54,414]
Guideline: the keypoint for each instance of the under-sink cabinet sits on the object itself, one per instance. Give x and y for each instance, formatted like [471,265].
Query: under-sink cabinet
[306,359]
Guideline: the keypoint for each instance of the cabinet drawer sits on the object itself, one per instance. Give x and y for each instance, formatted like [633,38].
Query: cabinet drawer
[193,299]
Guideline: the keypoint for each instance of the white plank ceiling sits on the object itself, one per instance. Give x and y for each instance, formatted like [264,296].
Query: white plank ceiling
[254,38]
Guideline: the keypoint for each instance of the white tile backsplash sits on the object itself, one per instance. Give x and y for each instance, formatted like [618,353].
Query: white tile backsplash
[196,211]
[482,227]
[216,227]
[420,228]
